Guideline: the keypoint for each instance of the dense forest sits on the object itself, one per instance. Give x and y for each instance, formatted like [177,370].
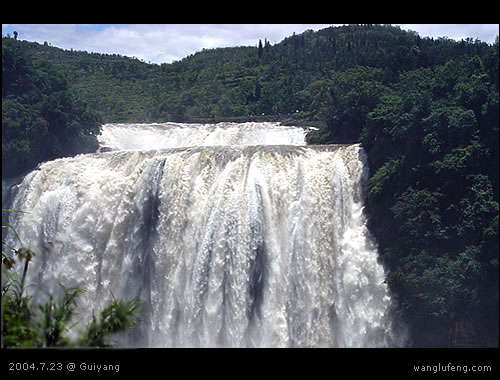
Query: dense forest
[425,110]
[42,117]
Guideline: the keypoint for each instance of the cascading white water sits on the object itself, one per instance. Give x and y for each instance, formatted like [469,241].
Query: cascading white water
[175,135]
[229,242]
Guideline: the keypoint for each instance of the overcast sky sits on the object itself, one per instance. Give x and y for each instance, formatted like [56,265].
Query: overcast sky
[159,43]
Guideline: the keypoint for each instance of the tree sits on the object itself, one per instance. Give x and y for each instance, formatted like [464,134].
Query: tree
[260,49]
[433,199]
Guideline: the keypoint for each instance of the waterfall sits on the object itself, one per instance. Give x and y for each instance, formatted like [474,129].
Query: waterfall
[232,235]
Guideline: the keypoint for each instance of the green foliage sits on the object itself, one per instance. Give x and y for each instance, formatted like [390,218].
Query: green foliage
[26,324]
[118,316]
[383,179]
[42,118]
[356,61]
[56,317]
[435,185]
[18,328]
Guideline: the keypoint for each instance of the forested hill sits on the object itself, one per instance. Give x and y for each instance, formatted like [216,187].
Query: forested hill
[331,78]
[242,82]
[425,110]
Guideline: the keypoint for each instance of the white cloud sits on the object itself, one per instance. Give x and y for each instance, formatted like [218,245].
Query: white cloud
[159,43]
[484,32]
[154,42]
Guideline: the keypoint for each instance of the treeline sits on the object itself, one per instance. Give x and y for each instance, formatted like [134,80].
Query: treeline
[425,110]
[42,118]
[242,82]
[281,79]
